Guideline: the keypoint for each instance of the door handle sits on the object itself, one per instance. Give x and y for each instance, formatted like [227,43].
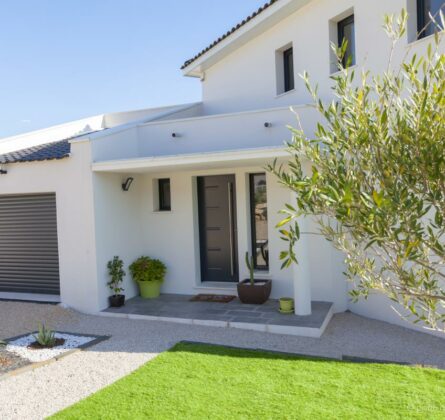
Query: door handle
[229,188]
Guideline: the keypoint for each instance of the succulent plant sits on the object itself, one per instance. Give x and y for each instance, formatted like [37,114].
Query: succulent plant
[45,337]
[250,266]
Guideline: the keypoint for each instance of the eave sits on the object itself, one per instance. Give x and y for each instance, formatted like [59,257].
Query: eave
[241,36]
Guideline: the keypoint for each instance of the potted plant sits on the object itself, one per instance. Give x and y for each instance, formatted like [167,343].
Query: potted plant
[286,305]
[253,291]
[116,273]
[149,274]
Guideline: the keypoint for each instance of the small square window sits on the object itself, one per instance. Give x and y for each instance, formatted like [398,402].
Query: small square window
[425,8]
[288,65]
[164,194]
[346,32]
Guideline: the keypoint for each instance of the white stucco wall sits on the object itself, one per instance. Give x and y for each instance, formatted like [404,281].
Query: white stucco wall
[222,132]
[173,236]
[246,78]
[380,307]
[118,221]
[202,134]
[70,179]
[97,220]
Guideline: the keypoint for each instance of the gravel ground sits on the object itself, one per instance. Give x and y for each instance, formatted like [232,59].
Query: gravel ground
[46,390]
[9,361]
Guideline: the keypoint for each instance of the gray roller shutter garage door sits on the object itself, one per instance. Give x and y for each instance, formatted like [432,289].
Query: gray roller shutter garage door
[29,257]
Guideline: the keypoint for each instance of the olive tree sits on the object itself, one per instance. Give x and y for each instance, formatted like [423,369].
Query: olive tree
[372,177]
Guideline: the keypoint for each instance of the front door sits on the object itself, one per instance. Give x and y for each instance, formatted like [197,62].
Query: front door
[217,228]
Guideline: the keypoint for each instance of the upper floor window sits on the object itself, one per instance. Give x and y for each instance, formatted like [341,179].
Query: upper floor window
[284,63]
[425,9]
[288,65]
[346,32]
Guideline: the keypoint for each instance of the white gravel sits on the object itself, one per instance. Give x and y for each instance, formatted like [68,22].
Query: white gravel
[48,389]
[20,346]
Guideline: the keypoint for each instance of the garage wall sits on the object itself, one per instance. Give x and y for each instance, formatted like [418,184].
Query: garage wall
[70,180]
[118,228]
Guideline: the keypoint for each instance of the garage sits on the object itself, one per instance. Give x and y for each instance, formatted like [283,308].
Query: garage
[29,257]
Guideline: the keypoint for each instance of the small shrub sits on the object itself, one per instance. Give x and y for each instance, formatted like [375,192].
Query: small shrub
[148,269]
[116,272]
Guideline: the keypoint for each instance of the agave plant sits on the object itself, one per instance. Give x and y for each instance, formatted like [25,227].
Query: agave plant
[45,337]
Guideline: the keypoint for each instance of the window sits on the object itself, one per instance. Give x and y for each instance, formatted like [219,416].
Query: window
[346,32]
[258,217]
[425,8]
[284,67]
[164,195]
[288,66]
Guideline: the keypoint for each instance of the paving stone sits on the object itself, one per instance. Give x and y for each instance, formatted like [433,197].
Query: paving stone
[247,319]
[243,313]
[180,306]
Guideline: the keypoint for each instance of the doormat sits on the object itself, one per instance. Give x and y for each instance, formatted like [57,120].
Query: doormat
[212,298]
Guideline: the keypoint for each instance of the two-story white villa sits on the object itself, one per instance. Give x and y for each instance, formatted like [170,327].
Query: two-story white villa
[142,182]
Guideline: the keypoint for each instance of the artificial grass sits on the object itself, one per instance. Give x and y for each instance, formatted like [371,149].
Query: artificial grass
[194,381]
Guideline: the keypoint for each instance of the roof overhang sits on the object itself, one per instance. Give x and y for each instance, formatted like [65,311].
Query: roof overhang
[195,161]
[246,32]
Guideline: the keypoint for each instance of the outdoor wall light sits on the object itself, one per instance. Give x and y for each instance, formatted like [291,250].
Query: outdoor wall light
[174,135]
[267,124]
[127,184]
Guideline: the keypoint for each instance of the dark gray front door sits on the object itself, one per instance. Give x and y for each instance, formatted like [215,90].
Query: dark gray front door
[217,228]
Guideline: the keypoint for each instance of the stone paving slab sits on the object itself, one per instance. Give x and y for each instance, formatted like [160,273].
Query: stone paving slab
[180,306]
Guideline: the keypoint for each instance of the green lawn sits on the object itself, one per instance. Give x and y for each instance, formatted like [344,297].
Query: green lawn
[194,381]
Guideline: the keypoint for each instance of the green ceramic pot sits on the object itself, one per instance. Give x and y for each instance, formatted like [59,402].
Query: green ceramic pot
[150,289]
[286,304]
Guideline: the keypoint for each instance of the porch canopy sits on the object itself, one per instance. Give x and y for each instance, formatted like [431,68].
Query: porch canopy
[193,161]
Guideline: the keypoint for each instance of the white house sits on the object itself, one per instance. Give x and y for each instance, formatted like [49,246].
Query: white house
[64,213]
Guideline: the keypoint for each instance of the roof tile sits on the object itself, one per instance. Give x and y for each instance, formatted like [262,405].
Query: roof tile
[48,151]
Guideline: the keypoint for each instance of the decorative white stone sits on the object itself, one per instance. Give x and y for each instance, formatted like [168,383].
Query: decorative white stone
[20,347]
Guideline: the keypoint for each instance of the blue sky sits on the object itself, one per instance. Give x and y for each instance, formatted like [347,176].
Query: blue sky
[61,60]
